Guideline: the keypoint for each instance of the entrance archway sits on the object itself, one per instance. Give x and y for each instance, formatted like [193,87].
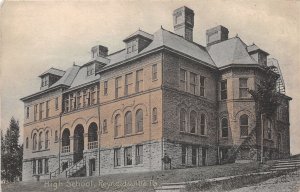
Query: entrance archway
[78,143]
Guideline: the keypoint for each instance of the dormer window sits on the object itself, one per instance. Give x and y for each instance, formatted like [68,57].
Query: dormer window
[90,70]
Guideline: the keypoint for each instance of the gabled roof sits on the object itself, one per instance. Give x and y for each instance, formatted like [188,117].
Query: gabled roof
[231,51]
[139,33]
[53,71]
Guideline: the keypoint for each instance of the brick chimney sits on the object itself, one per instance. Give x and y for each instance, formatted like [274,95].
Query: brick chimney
[216,35]
[183,21]
[99,51]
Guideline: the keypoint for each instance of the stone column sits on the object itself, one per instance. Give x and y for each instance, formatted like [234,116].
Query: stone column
[86,140]
[71,144]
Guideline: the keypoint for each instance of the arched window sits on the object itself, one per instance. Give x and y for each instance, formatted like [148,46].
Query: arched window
[46,139]
[104,126]
[139,120]
[202,124]
[128,123]
[244,125]
[224,127]
[154,115]
[117,125]
[193,121]
[93,132]
[182,120]
[66,141]
[34,142]
[66,137]
[56,135]
[26,143]
[40,141]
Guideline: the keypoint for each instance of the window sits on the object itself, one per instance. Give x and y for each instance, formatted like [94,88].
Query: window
[224,126]
[104,126]
[139,154]
[72,101]
[202,86]
[202,124]
[93,95]
[35,112]
[27,112]
[84,98]
[56,136]
[46,139]
[41,110]
[93,135]
[134,46]
[40,166]
[33,166]
[183,154]
[40,141]
[154,72]
[154,115]
[78,99]
[117,125]
[128,123]
[34,142]
[193,122]
[98,93]
[128,156]
[90,70]
[88,97]
[46,166]
[66,104]
[244,125]
[47,109]
[26,143]
[56,103]
[117,158]
[45,81]
[105,87]
[139,120]
[139,80]
[243,87]
[128,84]
[223,89]
[194,155]
[118,87]
[182,120]
[129,47]
[193,83]
[183,80]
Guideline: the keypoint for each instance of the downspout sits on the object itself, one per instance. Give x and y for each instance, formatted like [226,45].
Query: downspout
[59,141]
[162,111]
[99,129]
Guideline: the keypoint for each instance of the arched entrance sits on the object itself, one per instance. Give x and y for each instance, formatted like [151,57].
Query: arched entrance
[78,143]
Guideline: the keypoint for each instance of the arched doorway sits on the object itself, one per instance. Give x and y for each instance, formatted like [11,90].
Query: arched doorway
[78,143]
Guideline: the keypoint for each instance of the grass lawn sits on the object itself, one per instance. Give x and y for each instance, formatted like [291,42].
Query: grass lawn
[135,182]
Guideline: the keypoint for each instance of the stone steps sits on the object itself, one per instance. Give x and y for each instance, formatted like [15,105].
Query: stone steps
[287,164]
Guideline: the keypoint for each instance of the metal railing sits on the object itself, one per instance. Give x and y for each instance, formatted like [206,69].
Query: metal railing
[65,149]
[93,145]
[76,167]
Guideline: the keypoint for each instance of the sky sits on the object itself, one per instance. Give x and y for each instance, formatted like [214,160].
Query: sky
[37,35]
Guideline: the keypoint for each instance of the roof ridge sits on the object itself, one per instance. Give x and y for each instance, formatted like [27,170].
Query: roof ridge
[57,69]
[192,42]
[116,52]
